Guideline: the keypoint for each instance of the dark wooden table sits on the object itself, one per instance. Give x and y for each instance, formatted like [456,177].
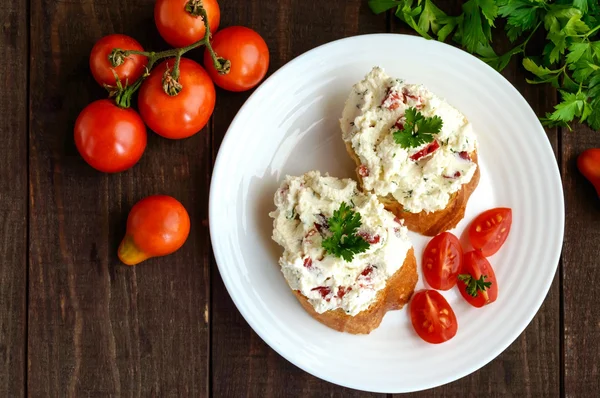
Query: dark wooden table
[74,322]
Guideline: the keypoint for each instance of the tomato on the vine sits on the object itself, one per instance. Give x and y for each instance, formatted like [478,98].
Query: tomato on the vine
[156,226]
[477,281]
[180,27]
[248,54]
[181,115]
[489,230]
[110,138]
[442,260]
[432,317]
[129,71]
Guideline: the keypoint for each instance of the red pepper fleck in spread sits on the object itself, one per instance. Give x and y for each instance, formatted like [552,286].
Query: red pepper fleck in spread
[368,269]
[456,175]
[428,150]
[342,291]
[399,124]
[392,99]
[323,290]
[363,170]
[370,238]
[308,262]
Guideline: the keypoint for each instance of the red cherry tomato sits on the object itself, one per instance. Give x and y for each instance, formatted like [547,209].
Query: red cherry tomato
[178,27]
[109,138]
[128,72]
[248,54]
[477,281]
[588,163]
[181,115]
[442,260]
[490,229]
[156,226]
[432,317]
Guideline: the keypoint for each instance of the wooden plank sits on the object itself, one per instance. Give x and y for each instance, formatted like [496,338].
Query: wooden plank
[96,327]
[581,252]
[531,365]
[242,364]
[13,194]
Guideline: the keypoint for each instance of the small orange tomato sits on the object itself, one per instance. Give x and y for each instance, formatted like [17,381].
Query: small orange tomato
[157,225]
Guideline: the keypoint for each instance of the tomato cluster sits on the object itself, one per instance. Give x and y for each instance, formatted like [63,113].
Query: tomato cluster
[445,266]
[177,97]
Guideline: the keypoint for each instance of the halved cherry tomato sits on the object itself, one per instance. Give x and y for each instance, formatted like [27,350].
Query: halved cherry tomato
[477,281]
[156,226]
[588,163]
[432,317]
[442,260]
[181,115]
[489,230]
[179,27]
[110,138]
[248,54]
[128,72]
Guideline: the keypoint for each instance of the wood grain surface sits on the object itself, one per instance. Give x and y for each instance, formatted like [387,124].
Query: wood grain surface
[13,197]
[580,270]
[74,322]
[96,327]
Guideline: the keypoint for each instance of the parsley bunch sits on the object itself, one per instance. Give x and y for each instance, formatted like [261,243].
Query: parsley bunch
[418,129]
[570,60]
[345,242]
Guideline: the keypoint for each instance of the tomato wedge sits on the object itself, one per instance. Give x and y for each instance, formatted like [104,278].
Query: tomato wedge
[489,230]
[432,317]
[442,260]
[477,281]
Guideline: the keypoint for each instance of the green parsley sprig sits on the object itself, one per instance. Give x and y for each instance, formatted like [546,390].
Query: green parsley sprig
[418,129]
[570,60]
[474,285]
[345,242]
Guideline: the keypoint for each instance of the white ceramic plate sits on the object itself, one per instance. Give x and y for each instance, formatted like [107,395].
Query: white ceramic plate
[290,126]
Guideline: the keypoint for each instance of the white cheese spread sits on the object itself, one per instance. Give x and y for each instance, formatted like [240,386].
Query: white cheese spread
[304,206]
[421,178]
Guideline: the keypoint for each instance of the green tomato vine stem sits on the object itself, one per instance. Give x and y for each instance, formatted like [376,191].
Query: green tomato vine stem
[171,84]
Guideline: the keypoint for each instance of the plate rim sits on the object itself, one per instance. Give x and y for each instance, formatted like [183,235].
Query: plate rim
[218,166]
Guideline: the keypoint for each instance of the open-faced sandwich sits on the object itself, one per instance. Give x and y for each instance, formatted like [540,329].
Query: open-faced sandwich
[412,149]
[346,258]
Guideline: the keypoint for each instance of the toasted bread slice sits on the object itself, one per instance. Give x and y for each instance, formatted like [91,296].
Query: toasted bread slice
[398,290]
[429,224]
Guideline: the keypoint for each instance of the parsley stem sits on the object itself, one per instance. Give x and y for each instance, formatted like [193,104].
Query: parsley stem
[591,32]
[524,44]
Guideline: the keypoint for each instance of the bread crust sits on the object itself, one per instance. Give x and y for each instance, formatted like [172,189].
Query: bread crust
[429,224]
[397,292]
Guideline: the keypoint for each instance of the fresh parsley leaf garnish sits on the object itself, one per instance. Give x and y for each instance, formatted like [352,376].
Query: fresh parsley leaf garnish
[570,60]
[418,129]
[345,242]
[474,285]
